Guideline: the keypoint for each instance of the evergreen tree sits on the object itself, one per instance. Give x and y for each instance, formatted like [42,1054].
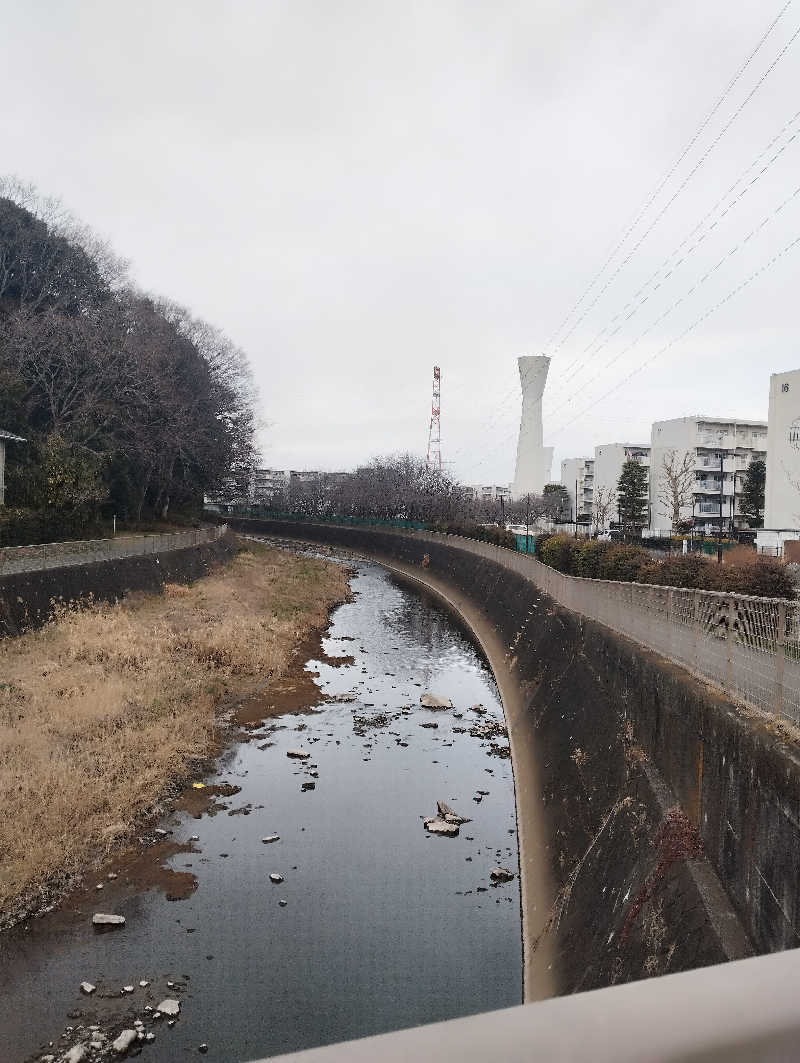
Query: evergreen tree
[752,498]
[632,495]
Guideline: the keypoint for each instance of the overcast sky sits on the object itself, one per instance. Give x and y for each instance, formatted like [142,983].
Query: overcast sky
[356,191]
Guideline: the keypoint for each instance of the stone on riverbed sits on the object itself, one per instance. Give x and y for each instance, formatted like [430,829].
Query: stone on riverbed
[170,1006]
[271,838]
[433,701]
[87,988]
[275,877]
[435,825]
[449,815]
[501,874]
[124,1041]
[104,919]
[76,1054]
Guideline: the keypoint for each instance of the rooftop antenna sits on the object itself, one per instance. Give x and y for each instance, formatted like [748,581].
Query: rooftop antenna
[435,431]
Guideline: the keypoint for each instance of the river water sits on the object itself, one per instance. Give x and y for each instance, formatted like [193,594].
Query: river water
[384,925]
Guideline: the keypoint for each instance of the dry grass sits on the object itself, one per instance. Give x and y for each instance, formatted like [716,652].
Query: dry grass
[102,709]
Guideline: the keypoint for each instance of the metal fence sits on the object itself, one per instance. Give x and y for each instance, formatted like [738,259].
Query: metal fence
[58,555]
[747,647]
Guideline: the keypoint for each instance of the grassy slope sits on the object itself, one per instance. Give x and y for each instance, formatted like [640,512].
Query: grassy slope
[102,709]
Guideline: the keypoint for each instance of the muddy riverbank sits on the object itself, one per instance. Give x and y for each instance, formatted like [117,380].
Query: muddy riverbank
[374,922]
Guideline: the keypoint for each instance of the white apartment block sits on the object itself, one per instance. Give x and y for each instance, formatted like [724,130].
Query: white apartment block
[490,492]
[721,449]
[782,497]
[577,475]
[608,461]
[267,483]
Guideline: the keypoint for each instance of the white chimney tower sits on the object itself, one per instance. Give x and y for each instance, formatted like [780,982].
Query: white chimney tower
[534,461]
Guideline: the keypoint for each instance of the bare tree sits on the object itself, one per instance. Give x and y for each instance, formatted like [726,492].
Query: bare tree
[604,500]
[676,486]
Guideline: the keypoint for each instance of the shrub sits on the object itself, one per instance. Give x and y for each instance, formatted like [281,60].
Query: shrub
[589,557]
[487,533]
[560,552]
[625,563]
[763,577]
[691,570]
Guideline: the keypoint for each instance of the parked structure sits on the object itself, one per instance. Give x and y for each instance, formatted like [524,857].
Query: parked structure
[534,461]
[5,437]
[577,476]
[608,461]
[722,449]
[782,497]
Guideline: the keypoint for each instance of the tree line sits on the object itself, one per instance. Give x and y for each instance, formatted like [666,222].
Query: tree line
[128,403]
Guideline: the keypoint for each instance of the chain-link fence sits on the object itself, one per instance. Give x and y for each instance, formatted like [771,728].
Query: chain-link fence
[58,555]
[748,647]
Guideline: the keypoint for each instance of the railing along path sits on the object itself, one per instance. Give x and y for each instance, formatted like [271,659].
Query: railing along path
[15,559]
[748,647]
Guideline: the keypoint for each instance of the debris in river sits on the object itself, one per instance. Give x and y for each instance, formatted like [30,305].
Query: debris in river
[310,785]
[88,988]
[429,724]
[275,877]
[282,903]
[449,815]
[271,838]
[477,708]
[297,754]
[124,1041]
[501,874]
[202,1048]
[496,750]
[127,989]
[170,1006]
[103,919]
[433,701]
[436,825]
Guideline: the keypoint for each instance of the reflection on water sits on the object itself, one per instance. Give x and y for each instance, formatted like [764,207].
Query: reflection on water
[384,925]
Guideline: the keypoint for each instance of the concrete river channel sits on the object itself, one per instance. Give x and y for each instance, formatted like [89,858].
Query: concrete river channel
[376,924]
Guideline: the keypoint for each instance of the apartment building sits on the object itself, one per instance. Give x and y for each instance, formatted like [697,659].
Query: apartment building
[608,461]
[782,496]
[577,476]
[721,449]
[267,483]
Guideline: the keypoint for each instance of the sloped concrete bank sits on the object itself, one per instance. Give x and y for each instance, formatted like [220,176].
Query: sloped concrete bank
[658,823]
[29,599]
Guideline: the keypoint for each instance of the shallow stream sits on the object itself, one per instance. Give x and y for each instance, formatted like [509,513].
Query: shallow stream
[384,925]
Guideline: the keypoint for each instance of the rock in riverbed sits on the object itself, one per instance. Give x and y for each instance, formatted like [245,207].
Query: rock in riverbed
[435,825]
[501,874]
[170,1006]
[297,754]
[449,815]
[271,838]
[124,1041]
[88,988]
[275,877]
[76,1054]
[433,701]
[103,919]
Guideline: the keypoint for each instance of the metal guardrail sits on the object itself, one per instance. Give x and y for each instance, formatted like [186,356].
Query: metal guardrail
[14,559]
[747,647]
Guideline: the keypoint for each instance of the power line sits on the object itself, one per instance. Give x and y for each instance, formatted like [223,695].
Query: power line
[729,254]
[604,334]
[690,328]
[667,177]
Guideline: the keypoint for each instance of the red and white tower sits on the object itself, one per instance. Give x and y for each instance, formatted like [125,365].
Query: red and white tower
[435,430]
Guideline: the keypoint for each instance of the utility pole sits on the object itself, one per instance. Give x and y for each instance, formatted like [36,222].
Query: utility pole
[435,429]
[502,511]
[721,499]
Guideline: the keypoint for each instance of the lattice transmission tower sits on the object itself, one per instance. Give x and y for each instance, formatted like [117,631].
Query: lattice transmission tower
[435,430]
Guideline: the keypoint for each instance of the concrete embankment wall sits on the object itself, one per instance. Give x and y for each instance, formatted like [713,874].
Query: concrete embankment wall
[29,599]
[660,821]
